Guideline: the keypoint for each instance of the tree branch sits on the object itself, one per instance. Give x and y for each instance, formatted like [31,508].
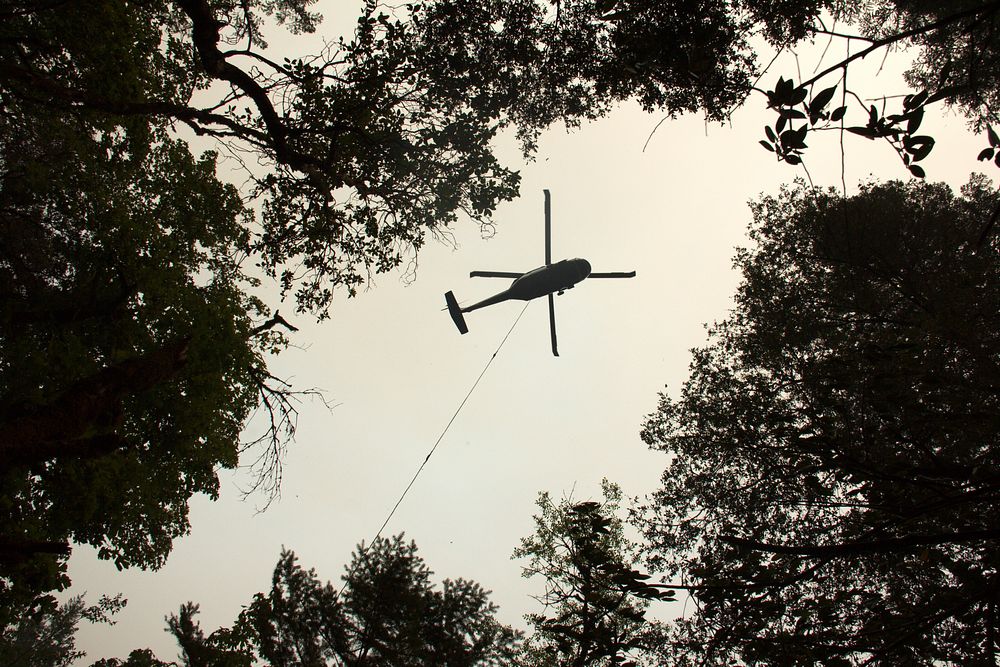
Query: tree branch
[205,35]
[269,324]
[906,34]
[197,119]
[902,544]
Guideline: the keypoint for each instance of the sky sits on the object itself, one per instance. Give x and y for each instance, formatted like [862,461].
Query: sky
[394,369]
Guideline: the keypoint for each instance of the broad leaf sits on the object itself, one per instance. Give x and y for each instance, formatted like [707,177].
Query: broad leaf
[822,99]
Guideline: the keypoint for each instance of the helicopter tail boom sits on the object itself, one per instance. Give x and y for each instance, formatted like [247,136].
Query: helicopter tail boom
[456,312]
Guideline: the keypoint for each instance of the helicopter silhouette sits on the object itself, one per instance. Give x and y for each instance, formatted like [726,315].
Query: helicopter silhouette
[550,279]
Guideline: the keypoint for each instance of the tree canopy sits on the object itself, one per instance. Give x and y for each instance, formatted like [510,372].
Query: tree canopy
[363,150]
[387,612]
[379,140]
[595,600]
[576,59]
[135,351]
[43,632]
[131,358]
[129,366]
[831,495]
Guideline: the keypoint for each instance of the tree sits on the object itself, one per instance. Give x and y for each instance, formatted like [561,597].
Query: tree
[42,634]
[386,613]
[380,140]
[595,600]
[956,51]
[361,161]
[131,361]
[133,351]
[576,59]
[832,490]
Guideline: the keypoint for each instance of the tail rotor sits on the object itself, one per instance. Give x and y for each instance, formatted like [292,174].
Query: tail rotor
[456,312]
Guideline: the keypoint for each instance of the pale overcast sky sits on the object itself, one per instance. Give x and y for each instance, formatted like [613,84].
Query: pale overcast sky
[395,368]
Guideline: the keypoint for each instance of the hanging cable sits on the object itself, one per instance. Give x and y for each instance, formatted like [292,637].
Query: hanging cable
[364,549]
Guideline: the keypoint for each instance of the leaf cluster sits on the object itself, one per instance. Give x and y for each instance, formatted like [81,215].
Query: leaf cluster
[126,336]
[786,141]
[988,152]
[130,362]
[899,130]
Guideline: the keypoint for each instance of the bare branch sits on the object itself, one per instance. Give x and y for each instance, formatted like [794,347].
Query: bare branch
[278,405]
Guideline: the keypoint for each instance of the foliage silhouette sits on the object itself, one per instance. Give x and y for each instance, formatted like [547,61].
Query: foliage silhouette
[585,56]
[130,366]
[364,151]
[595,599]
[387,613]
[832,490]
[42,634]
[134,352]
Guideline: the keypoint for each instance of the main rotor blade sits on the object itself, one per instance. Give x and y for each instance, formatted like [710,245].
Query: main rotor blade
[620,274]
[495,274]
[548,228]
[552,324]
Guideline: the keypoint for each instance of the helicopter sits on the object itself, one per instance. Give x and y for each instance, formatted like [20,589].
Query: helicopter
[549,279]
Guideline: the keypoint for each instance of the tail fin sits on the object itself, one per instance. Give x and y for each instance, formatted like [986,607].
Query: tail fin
[456,312]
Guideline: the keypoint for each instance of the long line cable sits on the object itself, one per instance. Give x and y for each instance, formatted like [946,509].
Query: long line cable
[364,549]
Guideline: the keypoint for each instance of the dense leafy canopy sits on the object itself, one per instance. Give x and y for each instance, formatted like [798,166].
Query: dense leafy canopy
[354,154]
[832,491]
[130,358]
[128,365]
[379,140]
[576,59]
[541,62]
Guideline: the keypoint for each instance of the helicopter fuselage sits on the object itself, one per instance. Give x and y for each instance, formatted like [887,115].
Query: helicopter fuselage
[540,282]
